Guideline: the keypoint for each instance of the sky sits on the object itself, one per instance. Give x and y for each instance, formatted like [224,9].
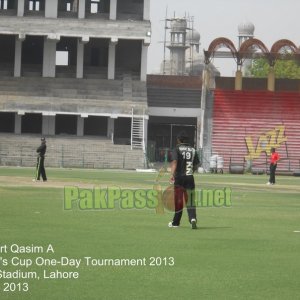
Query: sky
[273,20]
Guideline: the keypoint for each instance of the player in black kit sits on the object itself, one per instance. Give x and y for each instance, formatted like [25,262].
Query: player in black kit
[184,162]
[40,168]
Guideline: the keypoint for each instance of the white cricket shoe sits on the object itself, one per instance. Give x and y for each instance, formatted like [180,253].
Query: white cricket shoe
[172,226]
[194,223]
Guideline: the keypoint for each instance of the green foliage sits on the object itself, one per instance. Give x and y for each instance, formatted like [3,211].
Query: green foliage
[283,69]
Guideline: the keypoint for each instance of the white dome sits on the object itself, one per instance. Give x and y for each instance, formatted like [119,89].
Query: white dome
[246,29]
[193,37]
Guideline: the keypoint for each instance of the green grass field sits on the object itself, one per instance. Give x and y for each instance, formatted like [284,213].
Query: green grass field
[247,251]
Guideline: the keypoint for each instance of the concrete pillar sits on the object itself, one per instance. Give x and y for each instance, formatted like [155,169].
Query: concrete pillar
[45,125]
[20,12]
[271,80]
[51,125]
[144,61]
[205,87]
[146,10]
[18,123]
[206,80]
[80,126]
[112,58]
[238,80]
[80,59]
[81,9]
[110,128]
[51,9]
[113,10]
[198,139]
[18,55]
[49,56]
[80,56]
[48,125]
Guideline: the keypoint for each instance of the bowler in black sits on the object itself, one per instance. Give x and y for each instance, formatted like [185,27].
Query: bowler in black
[40,168]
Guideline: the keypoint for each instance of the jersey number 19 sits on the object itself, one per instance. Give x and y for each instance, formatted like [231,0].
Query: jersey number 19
[189,164]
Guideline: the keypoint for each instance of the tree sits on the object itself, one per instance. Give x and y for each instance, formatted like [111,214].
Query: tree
[283,68]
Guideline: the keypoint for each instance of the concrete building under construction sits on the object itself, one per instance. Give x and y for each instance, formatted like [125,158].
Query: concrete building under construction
[75,72]
[174,95]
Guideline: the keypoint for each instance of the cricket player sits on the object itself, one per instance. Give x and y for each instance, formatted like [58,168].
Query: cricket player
[184,162]
[273,165]
[40,168]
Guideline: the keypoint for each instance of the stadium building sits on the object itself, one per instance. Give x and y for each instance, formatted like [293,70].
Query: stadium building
[74,71]
[174,95]
[238,119]
[249,116]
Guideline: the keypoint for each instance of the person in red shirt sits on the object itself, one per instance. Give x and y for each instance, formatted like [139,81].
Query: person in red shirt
[273,165]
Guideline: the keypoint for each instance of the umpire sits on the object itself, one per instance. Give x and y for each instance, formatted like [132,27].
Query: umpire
[184,162]
[40,168]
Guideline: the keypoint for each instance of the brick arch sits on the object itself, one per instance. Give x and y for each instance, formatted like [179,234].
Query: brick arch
[246,45]
[218,43]
[278,45]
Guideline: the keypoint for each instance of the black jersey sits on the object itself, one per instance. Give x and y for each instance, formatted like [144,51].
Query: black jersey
[42,149]
[187,159]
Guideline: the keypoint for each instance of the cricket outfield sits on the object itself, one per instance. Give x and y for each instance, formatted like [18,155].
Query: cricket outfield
[246,250]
